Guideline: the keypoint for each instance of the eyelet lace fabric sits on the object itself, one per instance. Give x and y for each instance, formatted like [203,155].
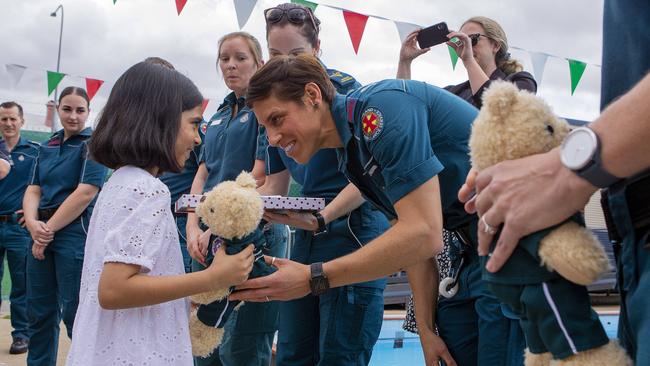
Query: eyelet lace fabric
[444,264]
[131,223]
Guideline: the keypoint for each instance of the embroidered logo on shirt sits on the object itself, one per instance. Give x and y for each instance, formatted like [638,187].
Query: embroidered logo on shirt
[204,127]
[244,118]
[216,122]
[21,158]
[372,123]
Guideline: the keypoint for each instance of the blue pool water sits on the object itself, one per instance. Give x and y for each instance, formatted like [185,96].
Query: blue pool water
[386,353]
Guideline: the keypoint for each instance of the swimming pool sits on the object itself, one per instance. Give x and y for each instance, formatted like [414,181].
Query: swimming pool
[397,347]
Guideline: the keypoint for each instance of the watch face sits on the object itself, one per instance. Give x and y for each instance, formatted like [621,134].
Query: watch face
[578,149]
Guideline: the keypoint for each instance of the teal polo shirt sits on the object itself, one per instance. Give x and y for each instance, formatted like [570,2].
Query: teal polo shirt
[13,186]
[231,142]
[62,165]
[398,134]
[319,177]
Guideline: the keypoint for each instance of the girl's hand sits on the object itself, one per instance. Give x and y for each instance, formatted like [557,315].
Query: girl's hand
[230,270]
[463,46]
[38,250]
[194,234]
[410,49]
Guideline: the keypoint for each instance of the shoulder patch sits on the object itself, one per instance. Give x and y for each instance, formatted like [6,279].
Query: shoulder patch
[372,123]
[244,118]
[340,78]
[204,127]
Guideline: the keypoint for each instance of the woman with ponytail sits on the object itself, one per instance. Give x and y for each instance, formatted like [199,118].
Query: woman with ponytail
[482,45]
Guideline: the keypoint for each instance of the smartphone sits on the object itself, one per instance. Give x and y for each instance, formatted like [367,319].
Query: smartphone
[433,35]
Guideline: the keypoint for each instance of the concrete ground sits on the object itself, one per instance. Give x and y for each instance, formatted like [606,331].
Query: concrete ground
[5,342]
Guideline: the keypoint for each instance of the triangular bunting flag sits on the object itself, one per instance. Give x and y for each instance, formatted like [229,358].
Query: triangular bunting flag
[404,29]
[356,24]
[576,68]
[306,3]
[454,57]
[204,105]
[244,8]
[180,4]
[539,64]
[15,72]
[92,85]
[53,80]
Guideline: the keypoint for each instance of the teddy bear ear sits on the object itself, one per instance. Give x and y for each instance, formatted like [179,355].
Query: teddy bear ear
[499,98]
[246,180]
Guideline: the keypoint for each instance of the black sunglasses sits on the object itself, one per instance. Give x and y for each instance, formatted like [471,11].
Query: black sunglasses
[475,38]
[294,15]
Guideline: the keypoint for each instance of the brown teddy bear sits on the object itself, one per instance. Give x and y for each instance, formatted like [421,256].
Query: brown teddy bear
[544,279]
[233,212]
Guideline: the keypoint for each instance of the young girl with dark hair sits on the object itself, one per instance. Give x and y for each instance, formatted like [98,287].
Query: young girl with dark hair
[131,304]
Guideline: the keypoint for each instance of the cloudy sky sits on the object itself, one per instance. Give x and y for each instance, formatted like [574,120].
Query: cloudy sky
[101,40]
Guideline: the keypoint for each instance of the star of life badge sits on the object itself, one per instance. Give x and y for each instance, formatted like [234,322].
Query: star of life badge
[372,123]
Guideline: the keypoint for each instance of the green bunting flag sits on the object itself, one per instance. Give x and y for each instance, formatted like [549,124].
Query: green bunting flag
[454,57]
[53,80]
[576,68]
[306,3]
[114,2]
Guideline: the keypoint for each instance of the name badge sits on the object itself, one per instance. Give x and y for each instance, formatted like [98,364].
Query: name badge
[216,122]
[244,118]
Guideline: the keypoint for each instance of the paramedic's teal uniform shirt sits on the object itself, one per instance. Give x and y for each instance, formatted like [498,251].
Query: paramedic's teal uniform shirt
[231,143]
[63,165]
[23,161]
[413,132]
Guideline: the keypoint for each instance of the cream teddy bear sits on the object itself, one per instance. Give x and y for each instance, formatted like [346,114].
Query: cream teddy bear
[233,212]
[544,279]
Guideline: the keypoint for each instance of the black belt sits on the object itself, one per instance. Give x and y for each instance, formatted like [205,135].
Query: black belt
[6,218]
[45,214]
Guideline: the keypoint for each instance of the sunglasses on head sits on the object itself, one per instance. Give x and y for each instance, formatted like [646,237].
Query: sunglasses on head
[475,38]
[294,15]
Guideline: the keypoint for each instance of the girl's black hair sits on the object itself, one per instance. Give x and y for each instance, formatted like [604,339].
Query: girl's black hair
[141,119]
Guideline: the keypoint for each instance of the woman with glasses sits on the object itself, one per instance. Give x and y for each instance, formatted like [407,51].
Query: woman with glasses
[341,326]
[468,320]
[230,146]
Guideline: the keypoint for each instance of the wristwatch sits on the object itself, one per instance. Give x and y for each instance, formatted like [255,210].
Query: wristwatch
[580,153]
[321,223]
[318,283]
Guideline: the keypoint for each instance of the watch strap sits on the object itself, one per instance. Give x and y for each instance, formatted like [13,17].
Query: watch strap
[321,223]
[594,172]
[318,283]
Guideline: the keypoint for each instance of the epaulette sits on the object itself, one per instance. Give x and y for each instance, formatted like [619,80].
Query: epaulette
[340,78]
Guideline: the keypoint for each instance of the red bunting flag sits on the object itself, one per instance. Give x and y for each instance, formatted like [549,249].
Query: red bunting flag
[92,85]
[180,4]
[204,105]
[356,24]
